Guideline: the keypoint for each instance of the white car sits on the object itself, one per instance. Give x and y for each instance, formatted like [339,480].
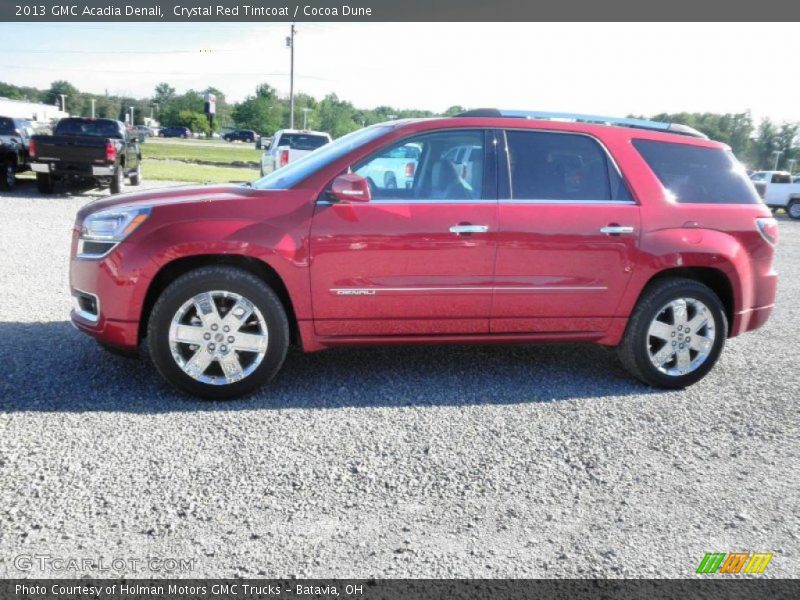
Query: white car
[779,191]
[290,144]
[394,169]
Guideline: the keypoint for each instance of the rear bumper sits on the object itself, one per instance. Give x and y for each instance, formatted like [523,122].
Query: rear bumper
[75,170]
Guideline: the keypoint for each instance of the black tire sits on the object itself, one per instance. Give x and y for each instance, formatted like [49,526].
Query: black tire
[8,175]
[221,278]
[793,210]
[118,181]
[633,351]
[45,183]
[136,176]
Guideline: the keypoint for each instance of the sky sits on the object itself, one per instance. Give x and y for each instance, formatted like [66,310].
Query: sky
[598,68]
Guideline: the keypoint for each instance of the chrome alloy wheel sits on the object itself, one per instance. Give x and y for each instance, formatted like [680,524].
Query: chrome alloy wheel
[218,337]
[681,336]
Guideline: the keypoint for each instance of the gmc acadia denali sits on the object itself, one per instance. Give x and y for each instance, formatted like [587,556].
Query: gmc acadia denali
[512,227]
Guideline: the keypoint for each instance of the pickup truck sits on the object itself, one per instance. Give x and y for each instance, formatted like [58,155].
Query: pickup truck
[779,191]
[290,144]
[393,169]
[98,150]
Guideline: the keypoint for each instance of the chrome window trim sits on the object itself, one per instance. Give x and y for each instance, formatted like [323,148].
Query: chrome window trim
[87,316]
[487,202]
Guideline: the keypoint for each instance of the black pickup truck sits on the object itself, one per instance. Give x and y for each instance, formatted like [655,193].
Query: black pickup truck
[99,150]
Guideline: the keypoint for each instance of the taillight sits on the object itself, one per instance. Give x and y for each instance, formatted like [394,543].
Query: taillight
[768,228]
[409,169]
[111,151]
[284,159]
[32,149]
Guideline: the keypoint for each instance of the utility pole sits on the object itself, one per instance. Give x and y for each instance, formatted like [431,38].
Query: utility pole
[63,102]
[290,45]
[305,110]
[93,101]
[777,154]
[792,162]
[131,116]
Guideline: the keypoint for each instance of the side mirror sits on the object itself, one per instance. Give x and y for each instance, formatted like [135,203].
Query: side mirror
[350,188]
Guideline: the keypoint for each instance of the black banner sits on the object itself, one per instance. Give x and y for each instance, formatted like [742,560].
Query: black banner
[393,10]
[397,589]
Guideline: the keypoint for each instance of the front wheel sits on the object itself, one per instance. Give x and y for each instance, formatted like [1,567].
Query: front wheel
[118,181]
[218,332]
[793,210]
[136,176]
[675,335]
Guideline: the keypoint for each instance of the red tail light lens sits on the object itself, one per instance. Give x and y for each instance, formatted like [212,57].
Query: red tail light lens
[409,169]
[111,151]
[768,228]
[32,149]
[284,160]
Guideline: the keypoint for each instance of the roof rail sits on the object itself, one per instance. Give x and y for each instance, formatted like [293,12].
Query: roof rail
[579,118]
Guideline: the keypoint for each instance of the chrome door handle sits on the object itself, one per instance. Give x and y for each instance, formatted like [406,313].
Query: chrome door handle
[459,229]
[616,229]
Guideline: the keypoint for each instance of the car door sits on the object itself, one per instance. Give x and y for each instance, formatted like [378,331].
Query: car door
[568,235]
[418,259]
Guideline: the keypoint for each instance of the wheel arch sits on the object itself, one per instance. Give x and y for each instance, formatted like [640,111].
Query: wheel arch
[174,269]
[716,279]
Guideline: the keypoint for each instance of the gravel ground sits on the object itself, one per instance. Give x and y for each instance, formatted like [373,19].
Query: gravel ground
[526,461]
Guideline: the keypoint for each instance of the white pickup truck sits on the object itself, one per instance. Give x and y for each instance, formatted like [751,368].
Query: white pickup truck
[290,144]
[779,190]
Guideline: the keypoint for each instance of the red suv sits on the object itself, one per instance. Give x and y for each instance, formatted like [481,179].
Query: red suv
[509,227]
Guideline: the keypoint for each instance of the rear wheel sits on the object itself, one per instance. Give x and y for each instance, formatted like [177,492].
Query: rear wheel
[8,177]
[218,332]
[793,210]
[675,335]
[45,183]
[118,181]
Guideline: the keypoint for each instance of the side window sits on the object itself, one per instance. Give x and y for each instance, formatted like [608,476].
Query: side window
[445,165]
[557,166]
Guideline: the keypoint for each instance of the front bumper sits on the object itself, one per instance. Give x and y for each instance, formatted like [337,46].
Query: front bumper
[109,294]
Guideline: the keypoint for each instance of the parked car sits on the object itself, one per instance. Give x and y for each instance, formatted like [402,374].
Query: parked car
[12,129]
[622,232]
[142,131]
[395,168]
[13,159]
[240,135]
[779,190]
[181,132]
[98,150]
[288,145]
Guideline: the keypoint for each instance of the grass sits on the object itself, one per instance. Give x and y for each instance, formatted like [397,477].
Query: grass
[166,170]
[200,151]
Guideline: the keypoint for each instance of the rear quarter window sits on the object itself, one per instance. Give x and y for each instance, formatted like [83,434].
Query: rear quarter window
[698,175]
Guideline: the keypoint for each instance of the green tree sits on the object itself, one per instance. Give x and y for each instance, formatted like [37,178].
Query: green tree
[74,99]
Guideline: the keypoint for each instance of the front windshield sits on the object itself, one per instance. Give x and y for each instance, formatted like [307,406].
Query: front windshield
[295,172]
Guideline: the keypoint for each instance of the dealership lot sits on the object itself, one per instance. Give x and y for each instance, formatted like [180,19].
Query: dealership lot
[490,461]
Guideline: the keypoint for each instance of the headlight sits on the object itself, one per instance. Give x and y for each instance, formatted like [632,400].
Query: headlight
[103,230]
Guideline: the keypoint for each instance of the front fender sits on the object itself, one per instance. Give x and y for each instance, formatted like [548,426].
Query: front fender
[285,253]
